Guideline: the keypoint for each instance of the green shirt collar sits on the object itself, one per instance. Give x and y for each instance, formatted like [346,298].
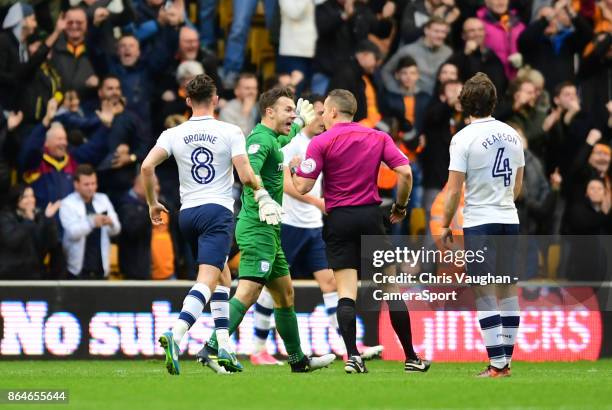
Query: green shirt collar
[262,128]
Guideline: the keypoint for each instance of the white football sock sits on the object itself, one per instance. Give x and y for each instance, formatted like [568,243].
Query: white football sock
[264,308]
[491,327]
[193,305]
[330,300]
[219,307]
[510,318]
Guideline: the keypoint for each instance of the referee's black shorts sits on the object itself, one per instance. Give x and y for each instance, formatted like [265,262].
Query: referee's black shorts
[342,234]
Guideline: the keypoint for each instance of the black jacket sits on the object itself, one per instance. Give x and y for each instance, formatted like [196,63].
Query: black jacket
[595,77]
[484,61]
[579,173]
[538,51]
[337,38]
[564,141]
[349,77]
[135,237]
[394,106]
[583,219]
[537,201]
[24,244]
[74,71]
[435,156]
[587,252]
[125,129]
[13,74]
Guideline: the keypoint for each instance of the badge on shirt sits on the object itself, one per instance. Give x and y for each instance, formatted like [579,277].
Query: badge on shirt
[308,165]
[253,148]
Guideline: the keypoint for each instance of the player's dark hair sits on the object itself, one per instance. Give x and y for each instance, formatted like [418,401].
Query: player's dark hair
[201,89]
[559,87]
[344,100]
[270,97]
[478,96]
[84,169]
[404,62]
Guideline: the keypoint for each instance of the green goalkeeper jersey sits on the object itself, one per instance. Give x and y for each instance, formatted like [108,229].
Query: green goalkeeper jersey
[266,158]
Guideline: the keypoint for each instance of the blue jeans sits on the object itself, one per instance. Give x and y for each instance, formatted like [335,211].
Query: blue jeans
[239,32]
[287,64]
[207,11]
[320,83]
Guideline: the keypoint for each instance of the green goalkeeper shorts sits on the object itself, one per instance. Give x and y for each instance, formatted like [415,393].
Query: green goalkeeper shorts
[261,256]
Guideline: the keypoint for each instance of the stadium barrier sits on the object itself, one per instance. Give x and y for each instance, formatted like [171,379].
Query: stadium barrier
[94,320]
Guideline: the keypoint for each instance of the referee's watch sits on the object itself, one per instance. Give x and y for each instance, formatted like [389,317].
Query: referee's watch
[401,208]
[293,170]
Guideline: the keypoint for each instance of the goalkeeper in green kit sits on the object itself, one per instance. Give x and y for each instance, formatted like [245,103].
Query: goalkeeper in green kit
[262,261]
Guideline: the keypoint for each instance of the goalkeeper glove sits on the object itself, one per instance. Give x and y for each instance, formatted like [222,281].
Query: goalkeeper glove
[270,211]
[305,113]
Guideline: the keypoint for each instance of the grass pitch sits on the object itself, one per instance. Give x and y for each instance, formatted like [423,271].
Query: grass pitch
[144,384]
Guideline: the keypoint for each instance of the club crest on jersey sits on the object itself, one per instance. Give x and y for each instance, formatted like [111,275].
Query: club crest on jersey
[253,148]
[308,165]
[264,266]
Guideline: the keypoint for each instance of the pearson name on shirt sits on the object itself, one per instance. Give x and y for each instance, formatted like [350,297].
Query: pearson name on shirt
[500,137]
[200,138]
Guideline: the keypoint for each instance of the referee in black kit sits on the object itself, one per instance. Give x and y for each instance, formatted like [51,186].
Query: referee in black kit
[349,156]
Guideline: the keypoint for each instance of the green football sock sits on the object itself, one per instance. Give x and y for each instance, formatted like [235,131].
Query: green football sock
[287,326]
[237,312]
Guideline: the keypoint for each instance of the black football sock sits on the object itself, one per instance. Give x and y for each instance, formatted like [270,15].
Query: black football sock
[400,320]
[347,323]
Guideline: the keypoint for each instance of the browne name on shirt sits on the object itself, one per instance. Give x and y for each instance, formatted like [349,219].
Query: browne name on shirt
[200,138]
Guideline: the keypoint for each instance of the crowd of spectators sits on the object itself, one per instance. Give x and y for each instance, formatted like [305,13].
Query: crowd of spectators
[87,86]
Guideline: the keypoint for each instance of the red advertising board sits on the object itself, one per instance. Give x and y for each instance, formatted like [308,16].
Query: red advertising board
[563,326]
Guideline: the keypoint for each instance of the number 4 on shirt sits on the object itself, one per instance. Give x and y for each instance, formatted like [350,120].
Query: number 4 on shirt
[501,167]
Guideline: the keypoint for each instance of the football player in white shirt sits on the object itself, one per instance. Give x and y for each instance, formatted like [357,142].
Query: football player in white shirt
[205,150]
[488,155]
[302,242]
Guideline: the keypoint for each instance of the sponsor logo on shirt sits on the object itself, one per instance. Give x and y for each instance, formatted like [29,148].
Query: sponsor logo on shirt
[308,165]
[253,148]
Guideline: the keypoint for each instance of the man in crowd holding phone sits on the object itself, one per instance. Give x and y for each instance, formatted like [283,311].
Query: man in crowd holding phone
[89,220]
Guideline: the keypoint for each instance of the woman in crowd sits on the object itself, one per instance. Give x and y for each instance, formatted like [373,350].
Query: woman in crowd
[27,236]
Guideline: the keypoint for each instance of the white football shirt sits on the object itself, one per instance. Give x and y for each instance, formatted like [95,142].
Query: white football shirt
[203,149]
[489,152]
[298,213]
